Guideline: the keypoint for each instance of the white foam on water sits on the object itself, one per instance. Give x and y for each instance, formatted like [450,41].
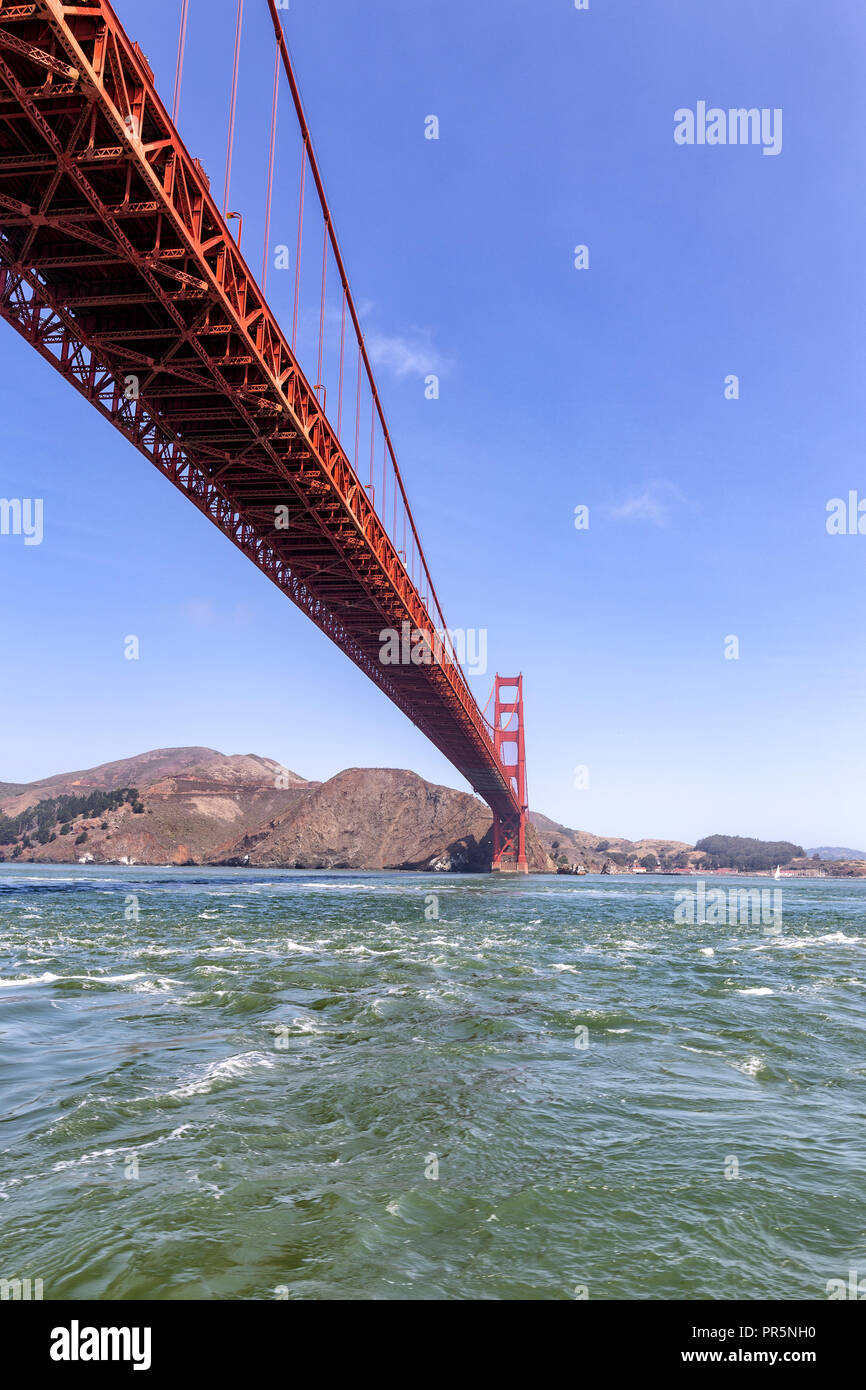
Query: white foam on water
[751,1066]
[127,1149]
[23,880]
[367,951]
[106,979]
[301,1026]
[227,950]
[341,887]
[836,938]
[49,978]
[762,989]
[229,1069]
[45,979]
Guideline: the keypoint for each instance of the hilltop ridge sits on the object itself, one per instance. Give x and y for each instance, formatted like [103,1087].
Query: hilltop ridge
[195,805]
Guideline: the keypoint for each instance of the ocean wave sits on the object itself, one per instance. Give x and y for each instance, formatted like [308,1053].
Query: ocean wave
[229,1069]
[48,978]
[836,938]
[126,1150]
[341,887]
[300,1026]
[45,979]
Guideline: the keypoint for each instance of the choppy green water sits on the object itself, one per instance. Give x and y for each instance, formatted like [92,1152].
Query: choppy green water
[285,1059]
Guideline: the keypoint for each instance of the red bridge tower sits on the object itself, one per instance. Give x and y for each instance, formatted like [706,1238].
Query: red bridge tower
[509,827]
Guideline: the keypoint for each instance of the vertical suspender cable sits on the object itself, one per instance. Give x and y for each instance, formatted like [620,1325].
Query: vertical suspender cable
[342,355]
[178,72]
[298,253]
[274,8]
[233,105]
[358,412]
[265,253]
[319,381]
[394,532]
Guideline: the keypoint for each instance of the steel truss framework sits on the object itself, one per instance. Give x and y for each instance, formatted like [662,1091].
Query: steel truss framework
[117,266]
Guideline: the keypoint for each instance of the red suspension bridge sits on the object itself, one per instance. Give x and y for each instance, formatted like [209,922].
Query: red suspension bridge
[119,267]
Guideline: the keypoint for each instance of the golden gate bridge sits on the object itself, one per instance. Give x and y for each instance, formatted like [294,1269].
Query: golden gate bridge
[119,266]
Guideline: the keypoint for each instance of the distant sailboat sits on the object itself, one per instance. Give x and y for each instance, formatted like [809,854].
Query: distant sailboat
[778,873]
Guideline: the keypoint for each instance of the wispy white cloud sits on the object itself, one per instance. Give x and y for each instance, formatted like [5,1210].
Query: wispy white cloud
[409,355]
[653,503]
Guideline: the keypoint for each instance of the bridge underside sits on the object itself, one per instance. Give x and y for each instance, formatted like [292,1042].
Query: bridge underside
[118,268]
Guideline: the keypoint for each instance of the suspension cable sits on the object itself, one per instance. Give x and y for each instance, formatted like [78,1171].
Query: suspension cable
[233,105]
[178,72]
[265,253]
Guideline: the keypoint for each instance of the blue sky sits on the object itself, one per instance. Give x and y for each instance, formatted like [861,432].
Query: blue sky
[559,387]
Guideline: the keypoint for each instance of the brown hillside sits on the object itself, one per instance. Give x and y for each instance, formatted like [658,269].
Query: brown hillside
[377,818]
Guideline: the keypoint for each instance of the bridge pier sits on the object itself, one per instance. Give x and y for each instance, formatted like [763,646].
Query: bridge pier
[509,826]
[509,844]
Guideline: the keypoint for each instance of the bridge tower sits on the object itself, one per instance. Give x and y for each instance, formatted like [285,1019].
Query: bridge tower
[509,828]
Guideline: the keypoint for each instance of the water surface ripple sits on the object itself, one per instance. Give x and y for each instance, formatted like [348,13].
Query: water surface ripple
[252,1084]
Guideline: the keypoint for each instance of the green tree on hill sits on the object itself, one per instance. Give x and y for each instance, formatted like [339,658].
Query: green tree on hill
[40,820]
[739,852]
